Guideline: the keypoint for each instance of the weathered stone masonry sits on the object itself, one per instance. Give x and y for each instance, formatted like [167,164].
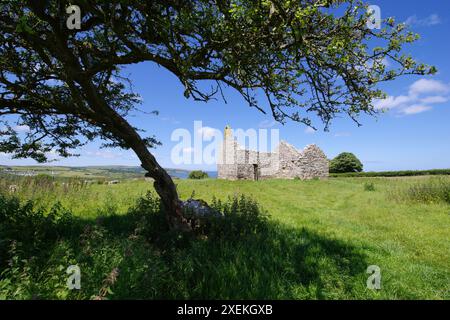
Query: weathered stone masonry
[286,162]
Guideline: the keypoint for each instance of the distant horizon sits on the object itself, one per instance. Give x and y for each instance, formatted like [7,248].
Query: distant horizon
[411,135]
[96,166]
[178,169]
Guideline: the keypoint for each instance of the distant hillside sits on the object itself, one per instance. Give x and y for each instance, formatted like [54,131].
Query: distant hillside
[88,172]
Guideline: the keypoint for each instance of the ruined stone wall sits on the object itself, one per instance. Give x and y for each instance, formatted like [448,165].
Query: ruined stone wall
[227,161]
[285,163]
[288,155]
[313,162]
[268,165]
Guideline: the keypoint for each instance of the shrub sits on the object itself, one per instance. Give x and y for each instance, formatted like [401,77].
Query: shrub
[369,186]
[37,246]
[198,174]
[241,217]
[345,162]
[31,238]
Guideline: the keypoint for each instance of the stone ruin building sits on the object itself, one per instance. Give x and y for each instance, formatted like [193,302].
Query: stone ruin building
[286,162]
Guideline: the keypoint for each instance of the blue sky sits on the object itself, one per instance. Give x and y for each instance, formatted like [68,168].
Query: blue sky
[413,134]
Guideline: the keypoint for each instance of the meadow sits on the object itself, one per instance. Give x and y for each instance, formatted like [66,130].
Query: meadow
[286,239]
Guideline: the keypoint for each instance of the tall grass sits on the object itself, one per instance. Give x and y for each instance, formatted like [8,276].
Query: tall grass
[406,173]
[431,190]
[44,183]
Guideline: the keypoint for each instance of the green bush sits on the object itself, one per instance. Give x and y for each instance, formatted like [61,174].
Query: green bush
[345,162]
[198,174]
[369,186]
[32,247]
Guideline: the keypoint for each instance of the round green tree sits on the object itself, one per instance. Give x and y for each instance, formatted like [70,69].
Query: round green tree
[198,174]
[345,162]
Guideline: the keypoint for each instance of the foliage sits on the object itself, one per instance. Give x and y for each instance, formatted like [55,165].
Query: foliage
[198,174]
[27,234]
[67,87]
[369,186]
[407,173]
[345,162]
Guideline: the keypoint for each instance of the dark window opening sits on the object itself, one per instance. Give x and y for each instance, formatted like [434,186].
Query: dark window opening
[255,172]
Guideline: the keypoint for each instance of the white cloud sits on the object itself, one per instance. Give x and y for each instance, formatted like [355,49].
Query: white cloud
[105,154]
[431,20]
[370,64]
[428,86]
[266,124]
[310,130]
[392,102]
[414,109]
[386,62]
[52,155]
[434,99]
[19,129]
[208,133]
[23,128]
[52,152]
[421,95]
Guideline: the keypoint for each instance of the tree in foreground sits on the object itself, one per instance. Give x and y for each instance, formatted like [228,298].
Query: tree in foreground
[295,60]
[345,162]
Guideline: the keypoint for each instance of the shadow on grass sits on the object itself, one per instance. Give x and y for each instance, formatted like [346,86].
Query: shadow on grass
[244,256]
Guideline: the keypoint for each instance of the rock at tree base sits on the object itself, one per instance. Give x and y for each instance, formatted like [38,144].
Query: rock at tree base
[199,209]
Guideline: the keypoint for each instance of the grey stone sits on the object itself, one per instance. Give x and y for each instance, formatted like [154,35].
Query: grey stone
[200,209]
[286,162]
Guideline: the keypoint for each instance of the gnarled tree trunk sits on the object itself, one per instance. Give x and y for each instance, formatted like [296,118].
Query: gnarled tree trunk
[165,188]
[116,124]
[163,183]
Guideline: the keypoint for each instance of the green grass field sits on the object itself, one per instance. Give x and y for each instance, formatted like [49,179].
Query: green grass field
[317,242]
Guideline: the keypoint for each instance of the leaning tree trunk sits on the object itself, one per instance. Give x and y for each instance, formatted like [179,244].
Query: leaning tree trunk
[163,183]
[165,188]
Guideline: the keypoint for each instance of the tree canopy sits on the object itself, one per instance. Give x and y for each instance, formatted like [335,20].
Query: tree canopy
[198,174]
[345,162]
[301,58]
